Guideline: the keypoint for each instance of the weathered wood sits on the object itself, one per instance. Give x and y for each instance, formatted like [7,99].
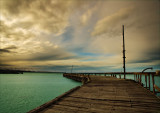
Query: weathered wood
[153,84]
[141,79]
[146,80]
[136,78]
[149,81]
[109,73]
[42,107]
[120,76]
[104,94]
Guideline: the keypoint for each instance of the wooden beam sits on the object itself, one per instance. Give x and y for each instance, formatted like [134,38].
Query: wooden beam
[149,81]
[153,83]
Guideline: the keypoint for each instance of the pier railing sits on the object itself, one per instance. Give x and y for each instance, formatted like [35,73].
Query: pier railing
[149,80]
[145,79]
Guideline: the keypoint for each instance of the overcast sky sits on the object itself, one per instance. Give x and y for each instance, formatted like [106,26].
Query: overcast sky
[53,35]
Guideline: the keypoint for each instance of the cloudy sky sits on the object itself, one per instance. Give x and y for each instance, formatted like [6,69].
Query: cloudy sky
[53,35]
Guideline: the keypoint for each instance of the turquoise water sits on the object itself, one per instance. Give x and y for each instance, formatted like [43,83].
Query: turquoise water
[20,93]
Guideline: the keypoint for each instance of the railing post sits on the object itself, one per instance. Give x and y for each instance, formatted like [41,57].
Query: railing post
[141,79]
[153,83]
[146,80]
[149,81]
[136,77]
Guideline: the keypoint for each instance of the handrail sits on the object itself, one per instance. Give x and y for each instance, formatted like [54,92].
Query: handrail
[147,68]
[137,78]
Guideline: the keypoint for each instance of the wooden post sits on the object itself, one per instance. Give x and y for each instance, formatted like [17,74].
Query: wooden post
[134,77]
[138,78]
[146,80]
[141,79]
[153,83]
[120,76]
[149,81]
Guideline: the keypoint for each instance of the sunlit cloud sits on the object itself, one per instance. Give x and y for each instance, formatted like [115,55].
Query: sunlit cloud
[56,34]
[107,23]
[86,17]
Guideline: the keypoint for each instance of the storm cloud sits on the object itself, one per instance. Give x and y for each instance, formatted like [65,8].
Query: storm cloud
[84,33]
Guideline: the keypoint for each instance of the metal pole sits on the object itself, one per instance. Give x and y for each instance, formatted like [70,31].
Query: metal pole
[124,67]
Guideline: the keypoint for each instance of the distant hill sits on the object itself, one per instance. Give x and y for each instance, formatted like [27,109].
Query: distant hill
[7,71]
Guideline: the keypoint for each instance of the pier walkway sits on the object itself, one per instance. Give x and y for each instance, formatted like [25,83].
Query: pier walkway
[104,94]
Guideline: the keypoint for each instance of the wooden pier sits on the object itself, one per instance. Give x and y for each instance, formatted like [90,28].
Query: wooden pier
[103,94]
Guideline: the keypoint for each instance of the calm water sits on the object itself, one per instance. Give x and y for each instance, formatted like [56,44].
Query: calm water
[20,93]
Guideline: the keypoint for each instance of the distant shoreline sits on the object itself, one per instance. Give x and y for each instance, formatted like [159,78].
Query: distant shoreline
[21,72]
[11,72]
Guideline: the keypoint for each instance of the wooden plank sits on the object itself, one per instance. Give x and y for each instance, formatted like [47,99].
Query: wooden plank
[107,95]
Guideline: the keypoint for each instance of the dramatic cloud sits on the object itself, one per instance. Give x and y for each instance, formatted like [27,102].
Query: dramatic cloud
[4,51]
[85,18]
[8,49]
[104,25]
[14,33]
[41,51]
[46,16]
[56,34]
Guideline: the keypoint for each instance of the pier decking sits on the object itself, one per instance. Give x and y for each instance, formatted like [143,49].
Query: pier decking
[104,94]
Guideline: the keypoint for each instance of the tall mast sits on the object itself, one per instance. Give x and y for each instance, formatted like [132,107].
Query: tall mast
[124,66]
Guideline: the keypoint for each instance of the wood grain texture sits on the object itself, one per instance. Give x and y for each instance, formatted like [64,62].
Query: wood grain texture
[107,95]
